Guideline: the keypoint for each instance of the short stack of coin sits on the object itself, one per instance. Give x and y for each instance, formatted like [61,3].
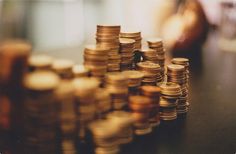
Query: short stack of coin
[134,81]
[40,62]
[41,114]
[117,85]
[85,88]
[151,72]
[140,107]
[135,36]
[177,74]
[149,54]
[63,67]
[108,36]
[153,92]
[170,93]
[80,71]
[157,44]
[96,60]
[127,53]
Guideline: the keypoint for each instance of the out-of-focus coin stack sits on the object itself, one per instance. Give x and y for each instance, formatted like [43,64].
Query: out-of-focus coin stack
[170,93]
[153,92]
[108,37]
[135,36]
[96,60]
[40,113]
[134,81]
[85,89]
[63,67]
[126,53]
[151,72]
[40,62]
[80,71]
[177,74]
[140,107]
[149,54]
[117,85]
[157,44]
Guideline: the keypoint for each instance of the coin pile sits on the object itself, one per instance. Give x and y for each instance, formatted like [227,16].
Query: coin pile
[63,67]
[117,85]
[41,115]
[185,63]
[40,62]
[127,53]
[177,74]
[135,36]
[80,71]
[134,81]
[96,60]
[108,36]
[140,107]
[157,44]
[170,93]
[151,72]
[149,54]
[153,92]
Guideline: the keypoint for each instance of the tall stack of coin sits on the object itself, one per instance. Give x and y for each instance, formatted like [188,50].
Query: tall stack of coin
[185,63]
[63,67]
[177,74]
[108,36]
[140,107]
[170,93]
[149,54]
[41,114]
[134,81]
[40,62]
[135,36]
[117,85]
[157,44]
[151,72]
[80,71]
[85,88]
[96,59]
[127,53]
[153,92]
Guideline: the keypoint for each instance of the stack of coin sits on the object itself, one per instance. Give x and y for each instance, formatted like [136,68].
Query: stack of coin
[40,62]
[170,93]
[41,114]
[149,54]
[134,81]
[185,63]
[135,36]
[96,59]
[85,88]
[153,92]
[151,72]
[108,36]
[127,53]
[117,85]
[103,102]
[63,67]
[124,122]
[157,44]
[80,71]
[177,74]
[140,107]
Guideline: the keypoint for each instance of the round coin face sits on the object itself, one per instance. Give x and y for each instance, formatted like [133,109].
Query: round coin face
[169,86]
[180,60]
[148,64]
[175,67]
[115,76]
[126,41]
[133,74]
[154,40]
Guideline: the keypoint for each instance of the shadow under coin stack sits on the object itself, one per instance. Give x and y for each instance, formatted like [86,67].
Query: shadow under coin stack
[126,53]
[153,93]
[177,74]
[41,115]
[96,60]
[151,72]
[170,93]
[80,71]
[40,62]
[140,107]
[63,67]
[134,81]
[117,85]
[107,36]
[157,44]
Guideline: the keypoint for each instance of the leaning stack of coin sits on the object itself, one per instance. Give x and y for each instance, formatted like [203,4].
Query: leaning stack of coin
[96,59]
[135,36]
[151,72]
[117,85]
[63,67]
[127,53]
[177,74]
[149,54]
[85,88]
[108,36]
[153,92]
[157,44]
[134,81]
[41,114]
[80,71]
[124,122]
[40,62]
[140,107]
[170,93]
